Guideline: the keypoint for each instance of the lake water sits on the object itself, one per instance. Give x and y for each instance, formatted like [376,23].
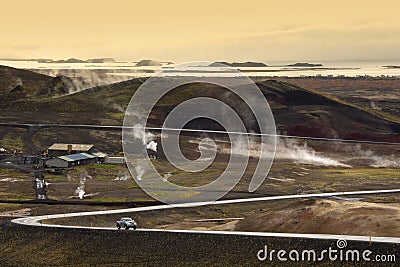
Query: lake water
[278,69]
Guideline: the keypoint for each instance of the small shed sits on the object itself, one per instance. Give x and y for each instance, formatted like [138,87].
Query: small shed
[100,156]
[115,160]
[29,159]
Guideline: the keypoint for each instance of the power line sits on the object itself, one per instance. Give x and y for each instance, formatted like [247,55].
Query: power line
[271,135]
[118,127]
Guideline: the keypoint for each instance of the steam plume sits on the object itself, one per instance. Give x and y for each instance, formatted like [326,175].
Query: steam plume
[139,171]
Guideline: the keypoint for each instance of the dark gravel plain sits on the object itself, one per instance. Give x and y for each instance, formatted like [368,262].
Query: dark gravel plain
[39,246]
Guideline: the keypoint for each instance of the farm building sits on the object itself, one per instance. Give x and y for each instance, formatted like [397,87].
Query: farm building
[72,160]
[100,156]
[115,160]
[58,149]
[29,159]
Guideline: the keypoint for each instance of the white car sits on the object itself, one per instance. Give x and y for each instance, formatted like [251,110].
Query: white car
[126,223]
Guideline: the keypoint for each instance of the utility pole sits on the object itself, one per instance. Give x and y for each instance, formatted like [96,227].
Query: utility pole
[40,186]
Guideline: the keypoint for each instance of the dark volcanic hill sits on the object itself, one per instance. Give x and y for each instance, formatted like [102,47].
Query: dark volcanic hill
[21,80]
[297,111]
[309,113]
[17,84]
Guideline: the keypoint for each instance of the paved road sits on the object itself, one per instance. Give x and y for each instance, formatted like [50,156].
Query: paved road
[36,221]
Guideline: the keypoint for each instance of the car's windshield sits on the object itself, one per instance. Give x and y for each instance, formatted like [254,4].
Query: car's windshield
[126,219]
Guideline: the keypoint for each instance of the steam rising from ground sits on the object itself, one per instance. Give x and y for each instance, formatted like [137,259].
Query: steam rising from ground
[376,161]
[146,138]
[385,162]
[11,180]
[80,190]
[285,149]
[374,106]
[139,133]
[254,149]
[166,176]
[289,149]
[84,79]
[139,171]
[123,177]
[152,146]
[301,153]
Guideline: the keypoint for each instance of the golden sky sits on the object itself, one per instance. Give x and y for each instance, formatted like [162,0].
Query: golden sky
[201,30]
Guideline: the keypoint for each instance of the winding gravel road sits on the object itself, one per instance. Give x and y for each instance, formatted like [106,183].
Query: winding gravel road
[37,220]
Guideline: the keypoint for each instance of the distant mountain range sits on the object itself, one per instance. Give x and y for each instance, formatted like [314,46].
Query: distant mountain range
[261,64]
[75,60]
[305,65]
[148,62]
[145,62]
[239,64]
[152,63]
[70,60]
[391,67]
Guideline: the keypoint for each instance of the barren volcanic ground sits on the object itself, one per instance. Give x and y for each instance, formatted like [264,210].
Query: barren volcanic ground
[37,246]
[301,107]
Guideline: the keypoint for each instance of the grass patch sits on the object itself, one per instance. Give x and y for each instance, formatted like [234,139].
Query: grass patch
[101,177]
[15,196]
[53,176]
[4,173]
[7,207]
[364,172]
[119,116]
[11,141]
[102,166]
[110,199]
[131,186]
